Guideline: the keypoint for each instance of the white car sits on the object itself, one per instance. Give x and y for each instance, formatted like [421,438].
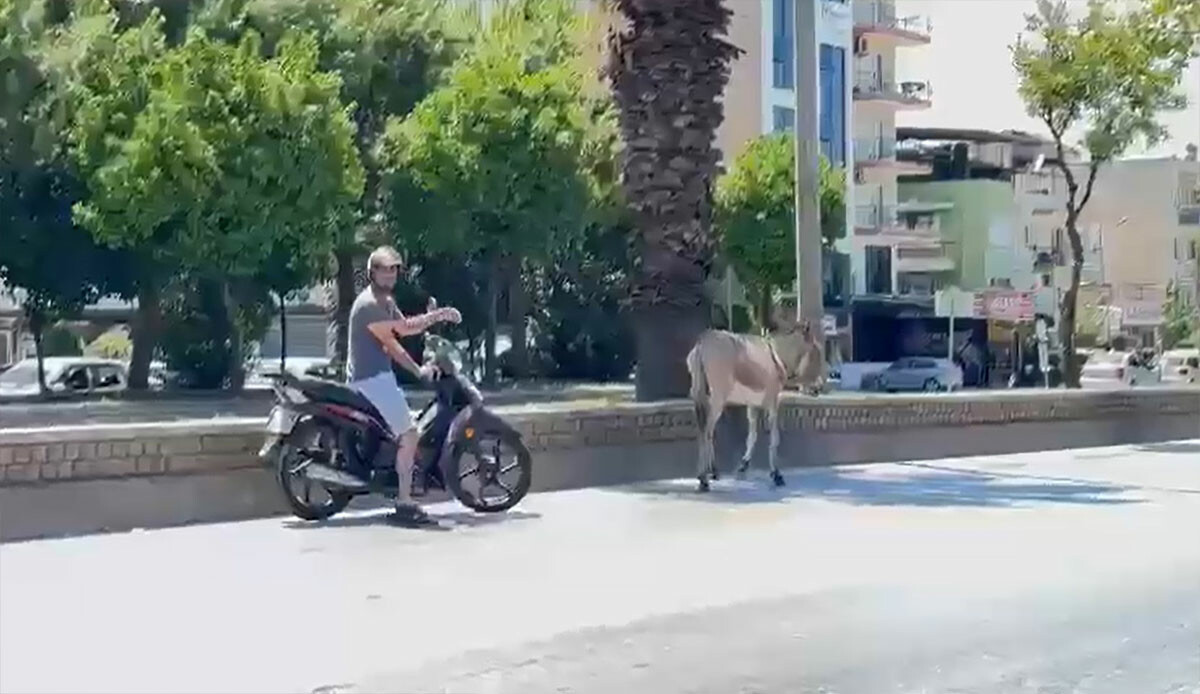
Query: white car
[1117,369]
[920,373]
[1180,366]
[65,374]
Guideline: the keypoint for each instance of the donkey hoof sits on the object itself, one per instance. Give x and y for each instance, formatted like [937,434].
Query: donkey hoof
[703,487]
[715,474]
[777,478]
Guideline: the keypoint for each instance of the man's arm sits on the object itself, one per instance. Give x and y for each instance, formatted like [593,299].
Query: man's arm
[383,331]
[415,325]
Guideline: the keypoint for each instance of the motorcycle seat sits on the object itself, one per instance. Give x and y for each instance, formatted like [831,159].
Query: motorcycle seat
[337,394]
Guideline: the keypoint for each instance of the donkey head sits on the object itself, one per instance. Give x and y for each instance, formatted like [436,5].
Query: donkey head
[795,341]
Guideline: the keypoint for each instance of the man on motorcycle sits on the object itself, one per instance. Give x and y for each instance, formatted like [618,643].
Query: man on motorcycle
[375,328]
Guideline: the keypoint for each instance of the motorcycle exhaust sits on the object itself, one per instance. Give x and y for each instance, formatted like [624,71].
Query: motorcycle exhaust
[334,477]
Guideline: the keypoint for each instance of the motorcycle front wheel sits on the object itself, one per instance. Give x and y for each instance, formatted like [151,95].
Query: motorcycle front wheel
[310,441]
[491,471]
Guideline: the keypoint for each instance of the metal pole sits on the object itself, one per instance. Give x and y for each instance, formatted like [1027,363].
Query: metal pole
[950,335]
[809,303]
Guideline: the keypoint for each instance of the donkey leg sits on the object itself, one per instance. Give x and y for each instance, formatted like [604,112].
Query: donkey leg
[773,423]
[751,439]
[707,464]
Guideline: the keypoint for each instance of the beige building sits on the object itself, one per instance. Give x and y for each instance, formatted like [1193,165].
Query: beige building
[1143,221]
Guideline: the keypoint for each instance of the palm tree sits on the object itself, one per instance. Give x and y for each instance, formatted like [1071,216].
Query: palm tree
[668,66]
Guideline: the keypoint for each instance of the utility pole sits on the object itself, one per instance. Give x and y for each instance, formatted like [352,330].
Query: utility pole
[809,302]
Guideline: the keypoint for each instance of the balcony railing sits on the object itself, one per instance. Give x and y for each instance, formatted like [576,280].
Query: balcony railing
[870,84]
[877,15]
[874,149]
[873,217]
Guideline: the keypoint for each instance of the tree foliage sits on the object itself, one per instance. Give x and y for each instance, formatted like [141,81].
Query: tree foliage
[42,251]
[1106,76]
[1181,318]
[756,214]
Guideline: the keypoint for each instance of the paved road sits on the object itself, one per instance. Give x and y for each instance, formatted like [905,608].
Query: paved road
[1051,572]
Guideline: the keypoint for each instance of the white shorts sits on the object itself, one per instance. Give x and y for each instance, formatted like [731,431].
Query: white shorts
[387,397]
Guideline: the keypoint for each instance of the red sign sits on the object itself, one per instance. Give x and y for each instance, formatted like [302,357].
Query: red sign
[1004,305]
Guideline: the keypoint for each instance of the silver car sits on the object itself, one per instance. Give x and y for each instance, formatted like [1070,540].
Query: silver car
[920,373]
[65,374]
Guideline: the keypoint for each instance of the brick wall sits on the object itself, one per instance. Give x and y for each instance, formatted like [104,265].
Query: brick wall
[53,455]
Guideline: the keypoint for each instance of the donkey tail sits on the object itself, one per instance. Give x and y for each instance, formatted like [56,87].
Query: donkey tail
[699,394]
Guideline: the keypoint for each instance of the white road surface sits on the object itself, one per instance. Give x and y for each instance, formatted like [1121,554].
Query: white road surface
[1069,571]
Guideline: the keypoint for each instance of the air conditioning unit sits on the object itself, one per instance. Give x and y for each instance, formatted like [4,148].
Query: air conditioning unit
[860,45]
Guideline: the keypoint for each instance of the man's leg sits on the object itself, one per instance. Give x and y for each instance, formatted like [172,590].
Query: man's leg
[406,451]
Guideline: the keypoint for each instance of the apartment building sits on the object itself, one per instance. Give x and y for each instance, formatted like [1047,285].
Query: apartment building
[1143,221]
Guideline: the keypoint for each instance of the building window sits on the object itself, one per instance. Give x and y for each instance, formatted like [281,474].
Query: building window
[784,45]
[879,269]
[785,119]
[833,103]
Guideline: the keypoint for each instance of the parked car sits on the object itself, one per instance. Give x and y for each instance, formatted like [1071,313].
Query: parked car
[918,373]
[1180,366]
[1118,368]
[65,374]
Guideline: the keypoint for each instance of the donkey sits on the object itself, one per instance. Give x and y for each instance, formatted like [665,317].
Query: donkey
[732,369]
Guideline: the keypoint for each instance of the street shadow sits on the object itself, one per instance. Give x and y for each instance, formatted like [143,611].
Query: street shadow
[1171,447]
[447,522]
[860,486]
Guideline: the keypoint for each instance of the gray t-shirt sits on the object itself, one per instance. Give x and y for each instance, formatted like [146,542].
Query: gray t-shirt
[366,356]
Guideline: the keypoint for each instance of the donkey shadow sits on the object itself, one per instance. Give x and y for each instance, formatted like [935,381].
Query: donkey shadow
[898,485]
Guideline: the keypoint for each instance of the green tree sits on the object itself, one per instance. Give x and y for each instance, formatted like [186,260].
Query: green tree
[1107,75]
[212,158]
[491,165]
[756,216]
[1181,318]
[668,66]
[42,251]
[389,54]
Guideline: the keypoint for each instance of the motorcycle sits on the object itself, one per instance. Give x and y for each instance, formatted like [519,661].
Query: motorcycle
[328,444]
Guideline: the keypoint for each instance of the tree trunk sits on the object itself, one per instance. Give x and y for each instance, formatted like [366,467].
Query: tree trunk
[147,322]
[1068,360]
[236,377]
[662,334]
[1066,329]
[282,335]
[518,315]
[37,325]
[339,309]
[489,336]
[675,52]
[765,307]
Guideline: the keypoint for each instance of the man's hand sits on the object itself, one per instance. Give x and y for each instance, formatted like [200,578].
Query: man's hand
[427,373]
[448,315]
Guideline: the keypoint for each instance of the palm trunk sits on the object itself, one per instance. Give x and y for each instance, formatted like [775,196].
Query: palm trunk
[147,322]
[675,52]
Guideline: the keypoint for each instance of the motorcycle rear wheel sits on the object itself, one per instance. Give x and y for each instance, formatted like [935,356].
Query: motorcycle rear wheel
[310,439]
[485,461]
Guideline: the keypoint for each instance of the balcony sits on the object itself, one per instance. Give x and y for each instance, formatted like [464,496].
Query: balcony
[878,18]
[872,218]
[875,151]
[931,257]
[1187,203]
[869,86]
